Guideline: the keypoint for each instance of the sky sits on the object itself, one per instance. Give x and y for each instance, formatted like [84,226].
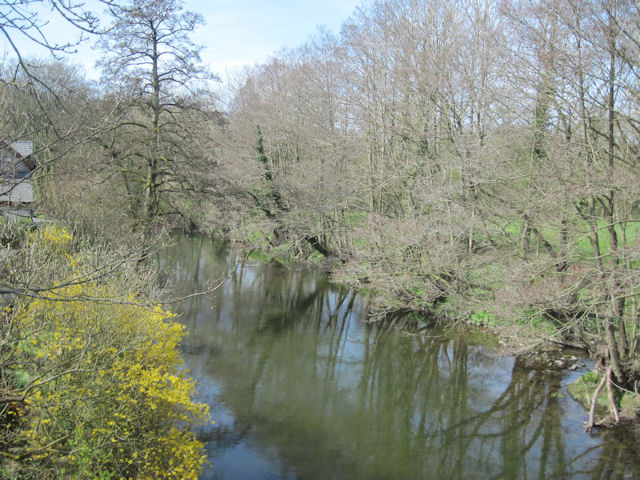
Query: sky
[241,32]
[236,32]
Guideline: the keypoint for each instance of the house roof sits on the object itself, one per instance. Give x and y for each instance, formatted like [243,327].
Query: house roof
[16,192]
[24,147]
[22,151]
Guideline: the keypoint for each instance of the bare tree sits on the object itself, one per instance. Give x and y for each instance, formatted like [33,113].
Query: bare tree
[152,61]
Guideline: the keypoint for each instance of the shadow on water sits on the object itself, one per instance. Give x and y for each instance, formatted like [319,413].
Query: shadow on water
[301,388]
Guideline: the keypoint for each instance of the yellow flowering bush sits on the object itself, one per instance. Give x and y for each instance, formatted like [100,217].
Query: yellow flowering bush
[106,396]
[55,237]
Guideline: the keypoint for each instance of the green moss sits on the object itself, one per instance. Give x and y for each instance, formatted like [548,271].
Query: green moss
[583,389]
[255,236]
[316,257]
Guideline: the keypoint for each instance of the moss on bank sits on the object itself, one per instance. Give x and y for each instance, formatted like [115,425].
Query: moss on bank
[583,390]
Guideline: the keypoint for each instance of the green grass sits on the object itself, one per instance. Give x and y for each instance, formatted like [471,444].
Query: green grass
[582,245]
[316,257]
[539,323]
[513,230]
[585,249]
[351,218]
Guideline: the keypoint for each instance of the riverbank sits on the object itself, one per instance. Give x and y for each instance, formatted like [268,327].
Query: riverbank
[524,328]
[387,301]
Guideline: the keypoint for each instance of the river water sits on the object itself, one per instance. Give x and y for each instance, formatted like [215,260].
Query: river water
[301,388]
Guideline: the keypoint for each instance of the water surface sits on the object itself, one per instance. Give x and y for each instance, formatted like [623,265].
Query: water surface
[301,388]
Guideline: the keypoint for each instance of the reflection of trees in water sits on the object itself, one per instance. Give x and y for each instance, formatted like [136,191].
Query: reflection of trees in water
[404,406]
[618,457]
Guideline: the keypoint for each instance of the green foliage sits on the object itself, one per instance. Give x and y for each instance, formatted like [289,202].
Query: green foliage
[255,236]
[104,394]
[21,378]
[316,257]
[483,318]
[419,292]
[532,318]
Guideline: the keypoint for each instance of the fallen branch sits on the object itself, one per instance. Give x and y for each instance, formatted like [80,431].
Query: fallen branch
[606,380]
[612,403]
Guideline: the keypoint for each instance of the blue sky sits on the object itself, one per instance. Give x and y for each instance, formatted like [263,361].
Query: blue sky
[236,33]
[240,32]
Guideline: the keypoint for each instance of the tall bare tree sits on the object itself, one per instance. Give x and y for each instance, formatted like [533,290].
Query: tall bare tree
[151,60]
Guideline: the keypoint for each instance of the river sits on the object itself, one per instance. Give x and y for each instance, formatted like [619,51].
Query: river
[301,388]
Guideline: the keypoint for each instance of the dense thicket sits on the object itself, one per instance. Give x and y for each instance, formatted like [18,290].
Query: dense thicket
[476,158]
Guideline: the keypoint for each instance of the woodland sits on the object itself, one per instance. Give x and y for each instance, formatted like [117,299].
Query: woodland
[476,161]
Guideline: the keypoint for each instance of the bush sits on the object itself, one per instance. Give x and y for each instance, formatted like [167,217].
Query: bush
[56,237]
[104,396]
[12,234]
